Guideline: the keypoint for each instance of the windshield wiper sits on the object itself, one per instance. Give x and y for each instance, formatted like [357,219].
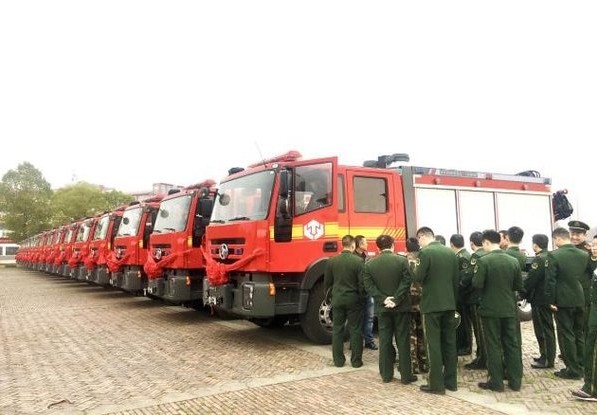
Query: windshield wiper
[169,229]
[239,218]
[216,221]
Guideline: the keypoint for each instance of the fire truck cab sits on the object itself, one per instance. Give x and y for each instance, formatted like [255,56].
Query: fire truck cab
[174,265]
[276,223]
[131,244]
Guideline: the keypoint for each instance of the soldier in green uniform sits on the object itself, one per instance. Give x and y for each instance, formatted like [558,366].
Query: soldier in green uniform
[437,271]
[368,309]
[564,269]
[578,238]
[589,389]
[418,354]
[342,277]
[387,278]
[498,276]
[514,238]
[464,333]
[534,286]
[503,239]
[472,299]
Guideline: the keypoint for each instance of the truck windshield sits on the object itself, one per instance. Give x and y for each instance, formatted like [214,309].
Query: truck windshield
[56,237]
[244,198]
[69,236]
[173,215]
[129,226]
[101,229]
[83,234]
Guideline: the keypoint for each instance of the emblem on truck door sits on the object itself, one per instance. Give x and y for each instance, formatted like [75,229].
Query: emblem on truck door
[313,230]
[224,251]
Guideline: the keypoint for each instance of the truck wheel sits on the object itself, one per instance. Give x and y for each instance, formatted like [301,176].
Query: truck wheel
[524,310]
[316,322]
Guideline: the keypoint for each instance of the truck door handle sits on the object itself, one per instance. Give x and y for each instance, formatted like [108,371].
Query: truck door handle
[331,246]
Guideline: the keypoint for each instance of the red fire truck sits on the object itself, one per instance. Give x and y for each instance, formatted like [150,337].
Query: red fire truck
[101,246]
[275,224]
[66,249]
[126,260]
[81,249]
[175,266]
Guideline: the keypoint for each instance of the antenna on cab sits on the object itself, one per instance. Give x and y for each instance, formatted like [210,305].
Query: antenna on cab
[259,151]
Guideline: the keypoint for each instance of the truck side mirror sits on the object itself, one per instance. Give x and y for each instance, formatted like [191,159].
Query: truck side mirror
[204,209]
[284,184]
[203,193]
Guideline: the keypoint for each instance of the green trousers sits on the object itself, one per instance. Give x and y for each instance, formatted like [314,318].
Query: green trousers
[503,349]
[464,332]
[570,321]
[394,325]
[350,316]
[440,340]
[544,332]
[590,385]
[481,352]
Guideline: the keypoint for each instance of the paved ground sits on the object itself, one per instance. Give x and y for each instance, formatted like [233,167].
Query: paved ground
[67,347]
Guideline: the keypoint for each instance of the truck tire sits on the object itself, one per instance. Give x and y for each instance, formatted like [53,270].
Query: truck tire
[524,310]
[316,322]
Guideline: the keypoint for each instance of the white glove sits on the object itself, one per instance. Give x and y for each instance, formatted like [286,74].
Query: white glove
[389,302]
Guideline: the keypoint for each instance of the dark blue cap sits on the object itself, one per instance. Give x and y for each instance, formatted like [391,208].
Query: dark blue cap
[578,226]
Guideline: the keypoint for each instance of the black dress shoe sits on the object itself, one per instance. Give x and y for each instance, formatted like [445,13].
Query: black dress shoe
[357,364]
[541,365]
[427,389]
[538,359]
[475,366]
[565,374]
[489,386]
[371,346]
[451,389]
[407,381]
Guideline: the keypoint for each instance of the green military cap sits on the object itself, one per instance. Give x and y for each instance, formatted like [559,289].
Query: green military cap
[578,226]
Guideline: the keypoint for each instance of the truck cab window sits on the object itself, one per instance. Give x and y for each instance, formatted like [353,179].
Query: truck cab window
[312,187]
[370,195]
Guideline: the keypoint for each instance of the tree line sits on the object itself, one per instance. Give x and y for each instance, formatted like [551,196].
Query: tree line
[28,205]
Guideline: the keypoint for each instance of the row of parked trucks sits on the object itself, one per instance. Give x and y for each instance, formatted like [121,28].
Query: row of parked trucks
[256,244]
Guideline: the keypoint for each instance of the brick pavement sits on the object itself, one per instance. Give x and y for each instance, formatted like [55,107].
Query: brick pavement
[67,347]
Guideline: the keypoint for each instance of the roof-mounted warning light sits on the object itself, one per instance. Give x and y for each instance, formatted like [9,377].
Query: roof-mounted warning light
[209,183]
[386,160]
[286,157]
[154,198]
[234,170]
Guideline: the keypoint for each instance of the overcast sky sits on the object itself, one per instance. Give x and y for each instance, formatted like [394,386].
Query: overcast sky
[127,93]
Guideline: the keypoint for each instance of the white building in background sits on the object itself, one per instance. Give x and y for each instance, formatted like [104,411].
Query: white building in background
[157,189]
[3,233]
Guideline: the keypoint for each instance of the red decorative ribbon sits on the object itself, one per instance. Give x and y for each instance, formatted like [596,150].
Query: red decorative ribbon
[155,269]
[217,272]
[113,263]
